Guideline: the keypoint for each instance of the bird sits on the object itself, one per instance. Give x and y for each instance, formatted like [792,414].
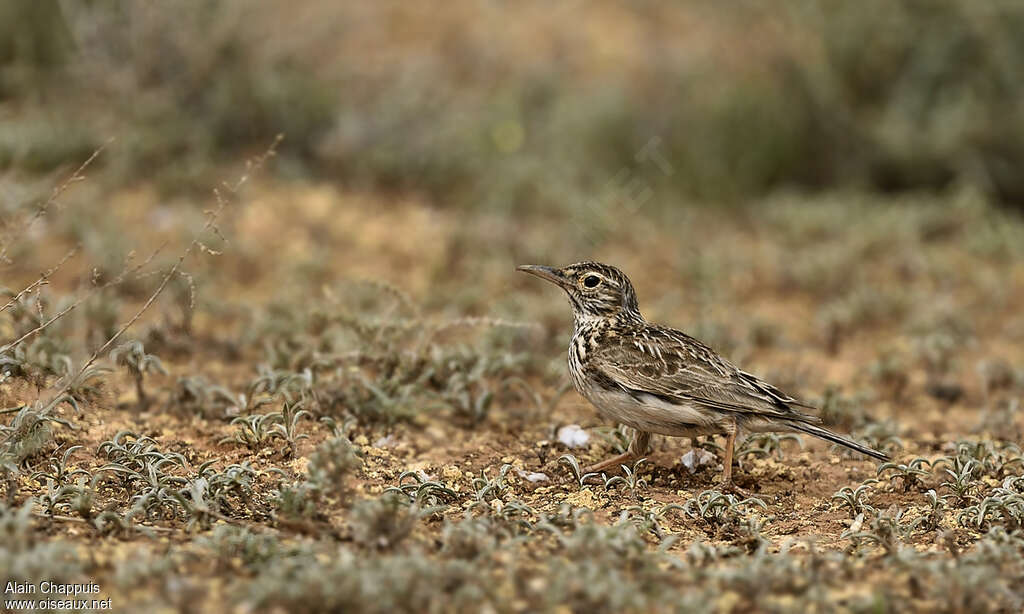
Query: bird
[659,380]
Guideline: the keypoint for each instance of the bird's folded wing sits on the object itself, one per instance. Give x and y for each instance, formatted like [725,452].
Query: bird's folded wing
[680,370]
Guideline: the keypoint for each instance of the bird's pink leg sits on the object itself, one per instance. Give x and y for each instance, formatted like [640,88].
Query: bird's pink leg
[615,461]
[730,443]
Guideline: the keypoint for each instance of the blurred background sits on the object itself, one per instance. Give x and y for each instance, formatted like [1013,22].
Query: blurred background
[507,105]
[855,158]
[828,192]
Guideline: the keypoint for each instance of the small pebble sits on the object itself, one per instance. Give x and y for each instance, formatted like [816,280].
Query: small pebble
[697,458]
[385,442]
[573,436]
[533,476]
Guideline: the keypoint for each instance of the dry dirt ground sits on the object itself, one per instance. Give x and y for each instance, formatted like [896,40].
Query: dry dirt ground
[902,316]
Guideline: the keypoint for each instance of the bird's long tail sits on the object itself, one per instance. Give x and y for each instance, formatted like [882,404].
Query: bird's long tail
[826,434]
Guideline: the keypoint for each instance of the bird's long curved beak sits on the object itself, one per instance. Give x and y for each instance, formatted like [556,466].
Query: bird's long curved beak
[544,272]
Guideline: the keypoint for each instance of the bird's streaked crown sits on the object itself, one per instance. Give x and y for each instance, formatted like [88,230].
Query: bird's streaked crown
[595,290]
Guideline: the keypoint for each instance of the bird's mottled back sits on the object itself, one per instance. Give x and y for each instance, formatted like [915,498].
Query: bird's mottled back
[678,368]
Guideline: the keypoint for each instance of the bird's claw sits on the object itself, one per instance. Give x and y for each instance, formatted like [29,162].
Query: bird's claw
[731,488]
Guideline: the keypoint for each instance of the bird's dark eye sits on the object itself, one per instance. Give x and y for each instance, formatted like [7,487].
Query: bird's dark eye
[591,281]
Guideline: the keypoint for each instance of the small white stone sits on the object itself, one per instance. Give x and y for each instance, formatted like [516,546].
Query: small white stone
[573,436]
[533,476]
[385,442]
[697,458]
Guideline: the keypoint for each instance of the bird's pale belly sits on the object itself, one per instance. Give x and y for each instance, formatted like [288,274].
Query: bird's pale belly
[651,414]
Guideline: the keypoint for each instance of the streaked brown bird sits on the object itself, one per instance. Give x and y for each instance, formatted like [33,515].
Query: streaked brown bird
[660,380]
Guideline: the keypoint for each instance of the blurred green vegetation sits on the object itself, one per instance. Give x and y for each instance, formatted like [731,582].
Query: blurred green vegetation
[520,110]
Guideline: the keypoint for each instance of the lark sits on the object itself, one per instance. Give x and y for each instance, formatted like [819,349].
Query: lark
[659,380]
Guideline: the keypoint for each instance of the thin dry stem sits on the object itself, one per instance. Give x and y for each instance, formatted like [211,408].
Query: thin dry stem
[95,288]
[481,321]
[251,166]
[54,195]
[42,280]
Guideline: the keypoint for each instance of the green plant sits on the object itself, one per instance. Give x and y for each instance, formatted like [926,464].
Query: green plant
[854,497]
[84,495]
[255,430]
[887,529]
[631,479]
[1003,507]
[840,410]
[231,492]
[996,459]
[133,357]
[720,510]
[936,509]
[618,436]
[81,384]
[54,496]
[882,436]
[963,483]
[469,393]
[577,471]
[763,445]
[57,468]
[296,504]
[383,523]
[29,431]
[288,427]
[198,395]
[910,473]
[271,382]
[24,557]
[421,491]
[487,489]
[650,521]
[331,465]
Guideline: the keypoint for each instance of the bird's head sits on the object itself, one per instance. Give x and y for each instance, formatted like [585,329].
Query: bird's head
[595,290]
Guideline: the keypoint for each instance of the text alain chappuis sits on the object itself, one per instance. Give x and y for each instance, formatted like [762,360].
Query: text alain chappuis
[54,596]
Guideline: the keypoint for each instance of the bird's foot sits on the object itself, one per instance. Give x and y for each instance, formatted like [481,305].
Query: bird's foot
[611,463]
[730,487]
